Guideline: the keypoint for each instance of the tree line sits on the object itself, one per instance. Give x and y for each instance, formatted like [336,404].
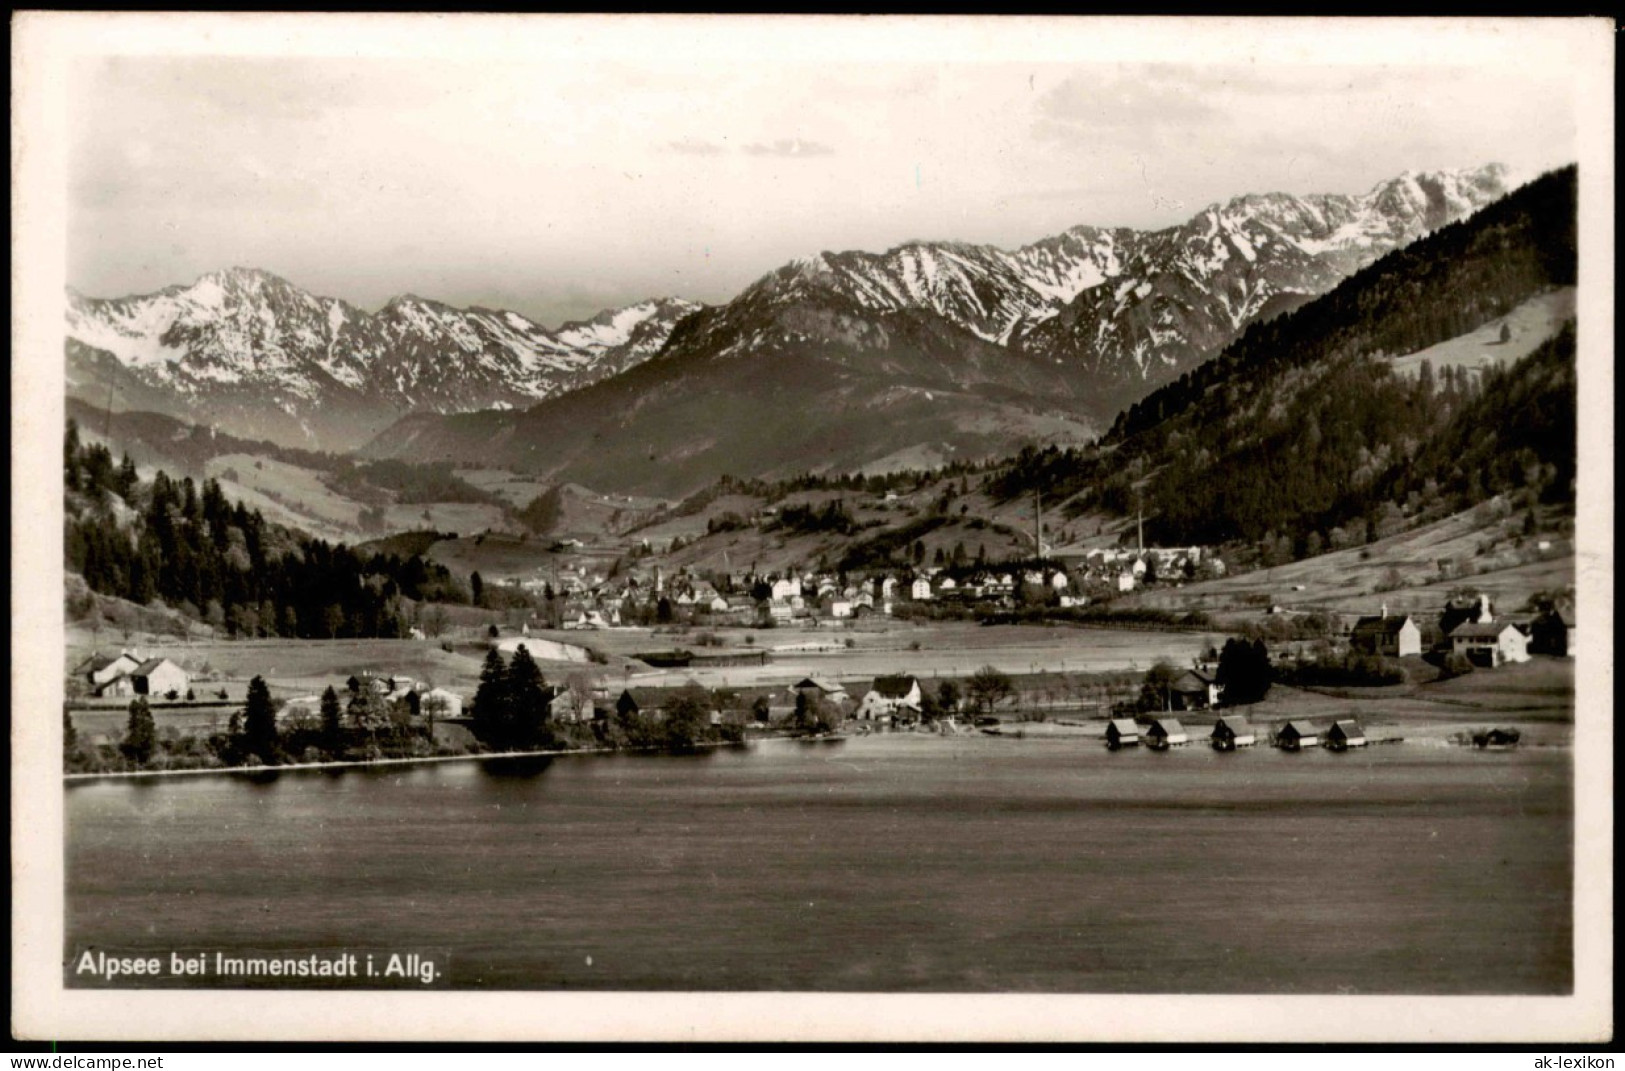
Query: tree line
[190,548]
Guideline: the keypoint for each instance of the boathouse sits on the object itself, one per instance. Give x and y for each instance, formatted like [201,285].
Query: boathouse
[1296,735]
[1344,734]
[1165,733]
[1122,732]
[1233,731]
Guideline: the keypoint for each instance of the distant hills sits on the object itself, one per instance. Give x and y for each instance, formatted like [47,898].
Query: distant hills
[932,350]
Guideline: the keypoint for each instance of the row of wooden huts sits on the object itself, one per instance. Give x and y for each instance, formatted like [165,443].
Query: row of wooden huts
[1233,731]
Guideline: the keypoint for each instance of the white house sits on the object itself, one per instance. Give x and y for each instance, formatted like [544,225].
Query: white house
[100,670]
[920,589]
[160,676]
[1490,644]
[785,590]
[837,608]
[898,696]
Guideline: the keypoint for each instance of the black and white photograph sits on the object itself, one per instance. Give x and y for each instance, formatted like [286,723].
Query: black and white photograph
[790,528]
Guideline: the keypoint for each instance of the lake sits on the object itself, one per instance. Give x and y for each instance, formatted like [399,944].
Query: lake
[888,863]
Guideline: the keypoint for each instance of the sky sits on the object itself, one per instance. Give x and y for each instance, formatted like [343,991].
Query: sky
[558,167]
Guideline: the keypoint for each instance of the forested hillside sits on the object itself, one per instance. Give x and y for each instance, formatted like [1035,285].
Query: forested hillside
[1300,433]
[194,551]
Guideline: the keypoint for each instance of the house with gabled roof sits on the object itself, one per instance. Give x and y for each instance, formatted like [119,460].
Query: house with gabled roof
[1390,636]
[1194,689]
[99,670]
[828,690]
[1122,732]
[1344,734]
[892,696]
[1492,644]
[1165,733]
[1232,731]
[1297,735]
[159,676]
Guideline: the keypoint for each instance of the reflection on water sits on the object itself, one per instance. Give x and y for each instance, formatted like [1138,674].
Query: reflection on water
[879,863]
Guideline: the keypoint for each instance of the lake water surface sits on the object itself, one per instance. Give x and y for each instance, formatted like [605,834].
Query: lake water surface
[894,863]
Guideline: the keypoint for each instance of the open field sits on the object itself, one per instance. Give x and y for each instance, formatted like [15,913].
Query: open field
[1350,581]
[1530,324]
[457,517]
[299,490]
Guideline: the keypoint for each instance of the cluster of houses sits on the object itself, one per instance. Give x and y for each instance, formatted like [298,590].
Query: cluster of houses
[1123,569]
[1471,629]
[128,674]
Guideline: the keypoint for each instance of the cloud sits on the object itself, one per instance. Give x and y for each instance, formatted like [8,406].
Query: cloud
[1118,99]
[790,147]
[695,147]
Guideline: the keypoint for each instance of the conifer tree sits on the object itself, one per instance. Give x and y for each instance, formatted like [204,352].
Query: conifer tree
[332,727]
[527,702]
[259,722]
[140,734]
[491,706]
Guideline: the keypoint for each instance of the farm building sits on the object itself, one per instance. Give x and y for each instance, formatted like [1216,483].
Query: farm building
[1490,644]
[562,704]
[1122,732]
[1231,732]
[1165,733]
[101,669]
[121,685]
[1393,637]
[1553,633]
[1297,735]
[1344,734]
[828,690]
[159,676]
[891,696]
[639,701]
[1194,690]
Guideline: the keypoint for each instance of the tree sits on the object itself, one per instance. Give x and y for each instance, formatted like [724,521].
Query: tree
[948,696]
[815,714]
[1244,671]
[491,714]
[70,735]
[527,702]
[1506,333]
[988,687]
[687,717]
[140,734]
[1156,691]
[332,728]
[761,710]
[259,722]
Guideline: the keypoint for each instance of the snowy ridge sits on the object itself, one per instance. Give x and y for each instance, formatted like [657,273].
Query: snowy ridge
[247,338]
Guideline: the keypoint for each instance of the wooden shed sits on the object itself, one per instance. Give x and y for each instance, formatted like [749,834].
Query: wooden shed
[1165,733]
[1297,735]
[1122,732]
[1344,734]
[1231,732]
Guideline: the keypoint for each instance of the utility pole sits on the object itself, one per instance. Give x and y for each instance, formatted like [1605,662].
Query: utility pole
[1038,524]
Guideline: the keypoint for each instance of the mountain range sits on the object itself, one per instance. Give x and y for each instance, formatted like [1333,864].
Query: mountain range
[928,351]
[250,352]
